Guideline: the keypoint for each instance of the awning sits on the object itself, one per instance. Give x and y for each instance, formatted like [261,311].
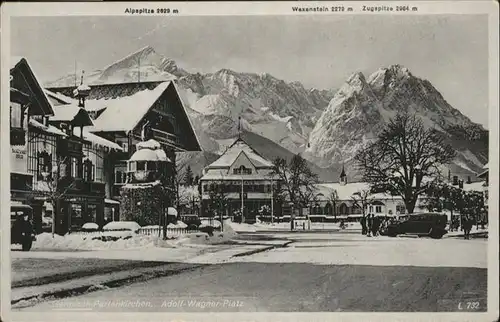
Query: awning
[111,202]
[48,129]
[95,139]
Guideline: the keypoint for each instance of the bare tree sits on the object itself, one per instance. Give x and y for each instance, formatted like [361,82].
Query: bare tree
[297,181]
[333,198]
[404,153]
[362,199]
[218,197]
[52,188]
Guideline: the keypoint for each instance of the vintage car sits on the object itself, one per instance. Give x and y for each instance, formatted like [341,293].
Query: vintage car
[21,226]
[424,224]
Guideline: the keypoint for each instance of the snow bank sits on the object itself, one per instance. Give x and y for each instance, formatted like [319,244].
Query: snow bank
[122,225]
[90,225]
[210,223]
[128,240]
[205,239]
[179,224]
[241,227]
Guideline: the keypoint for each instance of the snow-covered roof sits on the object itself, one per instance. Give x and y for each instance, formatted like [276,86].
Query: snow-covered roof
[124,113]
[71,113]
[232,153]
[95,139]
[149,155]
[345,192]
[49,129]
[474,186]
[149,150]
[65,112]
[60,97]
[211,176]
[14,61]
[149,144]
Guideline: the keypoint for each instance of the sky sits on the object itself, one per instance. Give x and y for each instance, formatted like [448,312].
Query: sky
[320,51]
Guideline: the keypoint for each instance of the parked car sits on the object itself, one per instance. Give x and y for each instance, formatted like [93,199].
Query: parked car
[425,224]
[21,226]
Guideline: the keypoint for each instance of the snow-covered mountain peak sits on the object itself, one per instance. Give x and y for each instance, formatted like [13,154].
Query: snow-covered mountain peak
[359,110]
[356,83]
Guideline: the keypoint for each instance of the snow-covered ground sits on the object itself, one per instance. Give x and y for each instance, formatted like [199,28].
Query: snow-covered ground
[349,249]
[300,226]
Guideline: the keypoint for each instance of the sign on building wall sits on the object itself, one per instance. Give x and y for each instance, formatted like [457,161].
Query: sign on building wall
[19,159]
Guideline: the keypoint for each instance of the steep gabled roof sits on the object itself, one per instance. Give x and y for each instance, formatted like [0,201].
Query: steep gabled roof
[25,80]
[124,113]
[234,150]
[71,113]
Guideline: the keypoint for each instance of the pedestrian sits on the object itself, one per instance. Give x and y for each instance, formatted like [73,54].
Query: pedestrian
[363,225]
[467,224]
[370,225]
[375,225]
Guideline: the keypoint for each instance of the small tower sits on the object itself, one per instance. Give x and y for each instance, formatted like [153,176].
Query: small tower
[148,163]
[82,92]
[343,177]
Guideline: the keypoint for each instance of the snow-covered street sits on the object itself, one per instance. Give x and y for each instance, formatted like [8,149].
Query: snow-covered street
[316,271]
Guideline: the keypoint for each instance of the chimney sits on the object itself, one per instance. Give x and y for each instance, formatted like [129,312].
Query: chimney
[469,180]
[455,180]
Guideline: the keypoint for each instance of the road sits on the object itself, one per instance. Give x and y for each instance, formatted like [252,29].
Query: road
[318,272]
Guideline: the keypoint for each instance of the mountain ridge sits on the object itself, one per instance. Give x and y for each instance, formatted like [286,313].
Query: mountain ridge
[327,126]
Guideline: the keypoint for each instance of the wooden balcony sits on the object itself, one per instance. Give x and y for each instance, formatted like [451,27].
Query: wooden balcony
[165,136]
[79,186]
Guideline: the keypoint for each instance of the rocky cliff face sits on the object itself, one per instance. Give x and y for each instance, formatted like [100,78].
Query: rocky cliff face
[361,108]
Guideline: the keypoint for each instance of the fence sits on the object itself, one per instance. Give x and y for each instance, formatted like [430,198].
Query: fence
[157,231]
[148,231]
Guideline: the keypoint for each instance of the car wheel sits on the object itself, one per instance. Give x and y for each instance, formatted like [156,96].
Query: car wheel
[27,245]
[436,235]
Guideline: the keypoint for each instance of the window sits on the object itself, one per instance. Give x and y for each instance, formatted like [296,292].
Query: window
[328,209]
[401,209]
[44,166]
[76,216]
[125,147]
[118,176]
[76,168]
[151,166]
[242,170]
[378,209]
[16,115]
[88,170]
[92,213]
[141,165]
[96,156]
